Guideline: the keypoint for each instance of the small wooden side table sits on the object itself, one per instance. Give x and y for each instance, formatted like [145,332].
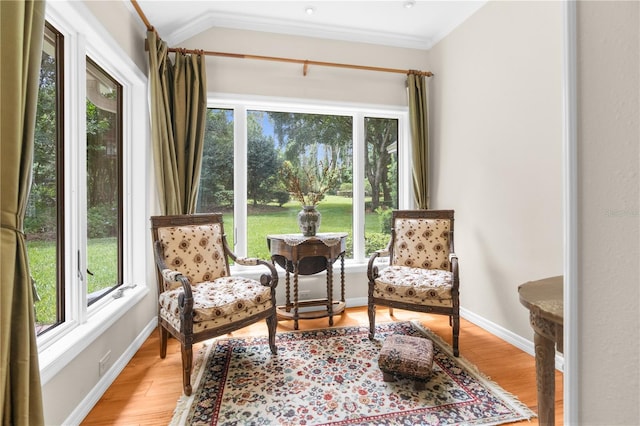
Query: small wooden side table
[544,299]
[302,255]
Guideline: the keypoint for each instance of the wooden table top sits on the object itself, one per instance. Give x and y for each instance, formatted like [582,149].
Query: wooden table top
[544,296]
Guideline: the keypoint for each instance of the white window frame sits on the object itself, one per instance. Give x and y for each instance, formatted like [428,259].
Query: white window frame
[241,104]
[85,37]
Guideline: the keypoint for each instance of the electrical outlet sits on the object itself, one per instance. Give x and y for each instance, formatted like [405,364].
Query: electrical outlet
[104,363]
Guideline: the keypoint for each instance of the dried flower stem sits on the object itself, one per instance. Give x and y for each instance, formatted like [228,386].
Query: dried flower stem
[309,185]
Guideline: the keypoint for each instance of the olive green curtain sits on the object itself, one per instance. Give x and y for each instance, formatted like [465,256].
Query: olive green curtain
[178,94]
[21,35]
[417,91]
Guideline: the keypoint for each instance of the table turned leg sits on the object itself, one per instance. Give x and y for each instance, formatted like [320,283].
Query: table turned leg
[295,294]
[287,282]
[342,295]
[330,290]
[545,369]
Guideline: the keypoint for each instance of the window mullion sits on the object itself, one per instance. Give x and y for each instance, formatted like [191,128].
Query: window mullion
[75,193]
[405,175]
[358,189]
[240,180]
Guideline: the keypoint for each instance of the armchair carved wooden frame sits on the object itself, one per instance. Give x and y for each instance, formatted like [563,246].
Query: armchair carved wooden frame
[198,299]
[423,268]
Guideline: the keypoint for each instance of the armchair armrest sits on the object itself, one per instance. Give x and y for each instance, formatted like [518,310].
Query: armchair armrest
[170,275]
[383,252]
[372,270]
[269,280]
[453,262]
[185,300]
[247,261]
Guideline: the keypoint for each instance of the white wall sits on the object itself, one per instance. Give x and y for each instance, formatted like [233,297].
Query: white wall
[75,389]
[124,27]
[608,43]
[497,153]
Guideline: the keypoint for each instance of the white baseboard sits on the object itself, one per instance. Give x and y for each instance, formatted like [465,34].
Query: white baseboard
[493,328]
[506,335]
[356,302]
[92,398]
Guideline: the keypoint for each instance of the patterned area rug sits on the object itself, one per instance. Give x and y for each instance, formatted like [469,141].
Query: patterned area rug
[331,376]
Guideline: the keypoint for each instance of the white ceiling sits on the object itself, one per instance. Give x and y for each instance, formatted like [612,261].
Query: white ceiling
[388,23]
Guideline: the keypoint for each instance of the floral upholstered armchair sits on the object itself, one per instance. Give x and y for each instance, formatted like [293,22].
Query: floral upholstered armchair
[423,268]
[197,297]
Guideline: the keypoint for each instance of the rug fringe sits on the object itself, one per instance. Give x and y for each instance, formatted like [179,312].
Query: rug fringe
[508,397]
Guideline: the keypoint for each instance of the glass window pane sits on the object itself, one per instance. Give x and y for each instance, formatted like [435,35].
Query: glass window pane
[104,183]
[216,176]
[44,208]
[307,143]
[381,184]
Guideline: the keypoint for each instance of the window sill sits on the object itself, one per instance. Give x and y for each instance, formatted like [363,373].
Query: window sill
[60,353]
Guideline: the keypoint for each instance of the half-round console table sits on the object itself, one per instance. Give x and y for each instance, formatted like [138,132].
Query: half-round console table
[300,255]
[544,299]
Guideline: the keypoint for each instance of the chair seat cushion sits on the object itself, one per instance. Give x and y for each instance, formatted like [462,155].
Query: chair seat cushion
[222,301]
[414,285]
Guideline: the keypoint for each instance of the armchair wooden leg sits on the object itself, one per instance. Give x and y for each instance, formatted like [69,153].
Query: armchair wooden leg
[456,334]
[164,335]
[272,323]
[187,361]
[372,320]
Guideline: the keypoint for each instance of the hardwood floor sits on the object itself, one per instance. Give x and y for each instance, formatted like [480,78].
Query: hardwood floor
[147,390]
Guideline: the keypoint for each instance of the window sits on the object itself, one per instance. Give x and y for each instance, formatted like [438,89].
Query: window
[43,225]
[362,144]
[84,224]
[216,176]
[75,219]
[104,183]
[381,180]
[305,141]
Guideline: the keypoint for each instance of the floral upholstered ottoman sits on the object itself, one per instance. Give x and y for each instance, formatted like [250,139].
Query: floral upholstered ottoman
[406,356]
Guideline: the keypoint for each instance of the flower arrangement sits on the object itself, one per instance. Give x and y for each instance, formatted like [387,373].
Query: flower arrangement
[309,184]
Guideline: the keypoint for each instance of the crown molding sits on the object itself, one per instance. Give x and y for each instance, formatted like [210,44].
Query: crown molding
[210,20]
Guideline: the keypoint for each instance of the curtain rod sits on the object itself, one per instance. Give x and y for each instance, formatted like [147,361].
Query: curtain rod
[142,16]
[304,62]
